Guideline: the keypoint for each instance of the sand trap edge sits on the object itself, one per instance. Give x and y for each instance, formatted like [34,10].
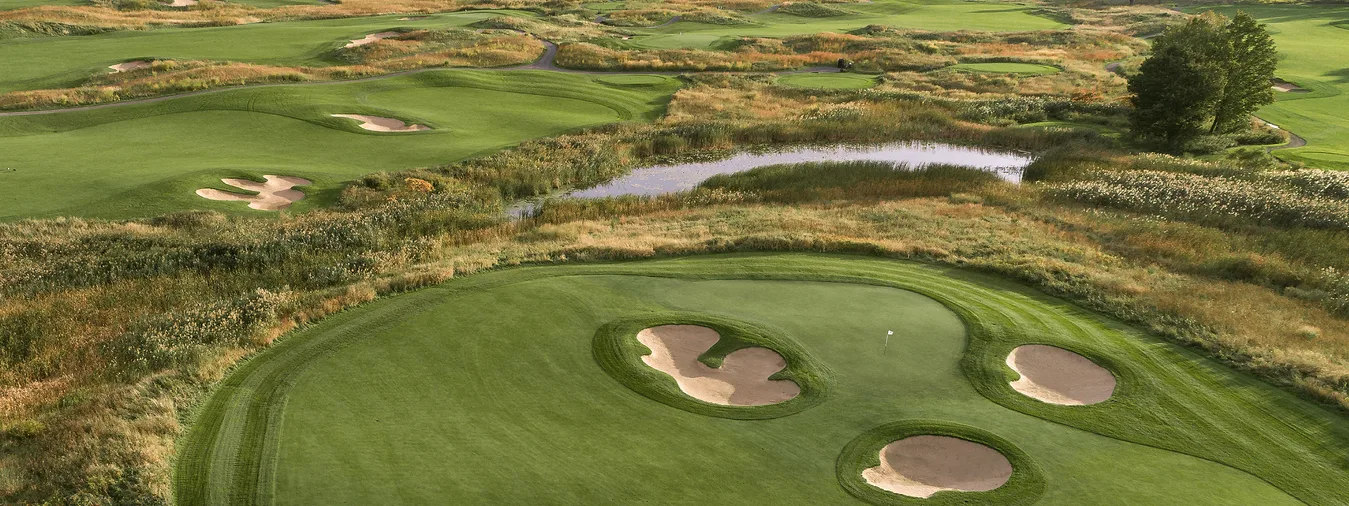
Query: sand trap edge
[1094,383]
[1025,486]
[619,354]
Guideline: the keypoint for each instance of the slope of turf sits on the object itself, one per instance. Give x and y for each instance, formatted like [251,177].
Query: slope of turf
[939,15]
[1313,45]
[30,64]
[137,160]
[19,4]
[1005,68]
[484,390]
[833,81]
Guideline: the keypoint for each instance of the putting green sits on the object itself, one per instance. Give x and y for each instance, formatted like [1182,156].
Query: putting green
[836,81]
[485,390]
[940,15]
[142,159]
[1005,68]
[29,63]
[1313,54]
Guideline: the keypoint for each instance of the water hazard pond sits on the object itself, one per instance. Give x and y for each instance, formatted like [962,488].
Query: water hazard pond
[661,179]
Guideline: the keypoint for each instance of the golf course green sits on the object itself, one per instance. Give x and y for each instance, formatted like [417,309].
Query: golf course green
[940,15]
[1005,68]
[29,64]
[140,159]
[1313,43]
[504,388]
[832,80]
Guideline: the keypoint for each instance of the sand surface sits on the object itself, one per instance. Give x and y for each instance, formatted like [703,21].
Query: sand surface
[1286,87]
[275,194]
[920,466]
[129,66]
[742,379]
[183,3]
[1059,376]
[379,124]
[370,38]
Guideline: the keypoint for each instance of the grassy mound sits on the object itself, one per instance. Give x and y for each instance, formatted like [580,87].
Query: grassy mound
[287,130]
[459,391]
[1006,68]
[812,10]
[1026,485]
[833,81]
[619,353]
[634,80]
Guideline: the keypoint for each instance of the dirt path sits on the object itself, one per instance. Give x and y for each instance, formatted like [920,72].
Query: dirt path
[544,63]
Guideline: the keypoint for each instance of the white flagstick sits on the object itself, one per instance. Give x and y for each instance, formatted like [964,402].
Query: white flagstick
[888,333]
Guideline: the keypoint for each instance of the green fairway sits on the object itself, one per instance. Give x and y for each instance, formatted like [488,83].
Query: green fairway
[485,390]
[141,159]
[1313,45]
[832,80]
[19,4]
[29,63]
[635,80]
[1005,68]
[940,15]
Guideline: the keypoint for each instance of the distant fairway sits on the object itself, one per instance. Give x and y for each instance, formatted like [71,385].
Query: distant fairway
[487,390]
[1005,68]
[939,15]
[1313,45]
[29,63]
[837,81]
[138,160]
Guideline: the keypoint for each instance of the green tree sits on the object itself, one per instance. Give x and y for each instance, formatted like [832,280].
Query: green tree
[1172,96]
[1250,68]
[1210,69]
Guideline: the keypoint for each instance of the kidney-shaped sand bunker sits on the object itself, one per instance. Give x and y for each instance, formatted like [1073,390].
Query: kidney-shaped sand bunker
[742,379]
[276,194]
[1058,376]
[919,466]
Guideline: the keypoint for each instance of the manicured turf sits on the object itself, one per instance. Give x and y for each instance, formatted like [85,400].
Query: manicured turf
[138,160]
[485,390]
[29,63]
[1314,54]
[941,15]
[836,81]
[1005,68]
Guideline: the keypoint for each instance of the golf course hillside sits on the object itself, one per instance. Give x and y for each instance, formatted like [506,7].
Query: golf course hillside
[141,159]
[939,15]
[767,379]
[28,65]
[1313,43]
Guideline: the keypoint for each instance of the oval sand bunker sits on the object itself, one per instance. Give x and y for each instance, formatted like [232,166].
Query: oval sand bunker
[919,466]
[275,194]
[380,124]
[370,39]
[1059,376]
[742,379]
[129,66]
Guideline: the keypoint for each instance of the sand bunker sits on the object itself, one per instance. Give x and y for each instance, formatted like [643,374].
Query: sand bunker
[920,466]
[183,3]
[742,379]
[370,38]
[1059,376]
[275,194]
[1287,87]
[378,124]
[413,18]
[130,66]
